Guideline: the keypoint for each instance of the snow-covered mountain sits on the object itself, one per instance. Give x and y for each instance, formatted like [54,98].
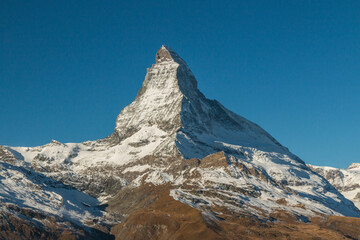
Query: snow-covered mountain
[169,104]
[39,204]
[209,157]
[346,181]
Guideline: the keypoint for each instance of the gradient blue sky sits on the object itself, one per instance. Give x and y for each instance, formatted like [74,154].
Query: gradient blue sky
[67,68]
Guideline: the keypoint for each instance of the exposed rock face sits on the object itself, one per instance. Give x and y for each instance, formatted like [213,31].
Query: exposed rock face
[6,155]
[216,160]
[173,137]
[346,181]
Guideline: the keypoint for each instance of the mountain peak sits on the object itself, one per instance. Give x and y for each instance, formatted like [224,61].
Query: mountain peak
[181,119]
[164,54]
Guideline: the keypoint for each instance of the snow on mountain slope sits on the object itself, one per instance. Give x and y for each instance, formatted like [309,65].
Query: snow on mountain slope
[346,181]
[171,133]
[21,186]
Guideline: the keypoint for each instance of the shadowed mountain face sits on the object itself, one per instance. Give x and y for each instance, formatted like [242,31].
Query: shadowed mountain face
[170,145]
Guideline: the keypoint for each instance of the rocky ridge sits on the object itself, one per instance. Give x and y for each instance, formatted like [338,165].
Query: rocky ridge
[346,181]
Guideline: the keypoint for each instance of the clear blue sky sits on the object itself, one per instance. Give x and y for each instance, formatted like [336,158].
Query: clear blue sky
[67,68]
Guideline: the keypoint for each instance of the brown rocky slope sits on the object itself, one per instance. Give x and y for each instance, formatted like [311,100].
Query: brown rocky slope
[156,215]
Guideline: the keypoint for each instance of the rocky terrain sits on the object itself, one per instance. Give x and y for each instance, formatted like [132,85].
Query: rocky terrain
[177,166]
[346,181]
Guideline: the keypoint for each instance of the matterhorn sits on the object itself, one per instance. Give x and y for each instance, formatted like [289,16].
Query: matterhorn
[177,166]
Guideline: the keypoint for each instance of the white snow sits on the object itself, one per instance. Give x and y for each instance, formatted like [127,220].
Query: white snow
[32,190]
[347,181]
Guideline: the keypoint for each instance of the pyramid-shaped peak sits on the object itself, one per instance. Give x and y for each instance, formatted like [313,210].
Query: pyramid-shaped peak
[166,54]
[189,124]
[184,78]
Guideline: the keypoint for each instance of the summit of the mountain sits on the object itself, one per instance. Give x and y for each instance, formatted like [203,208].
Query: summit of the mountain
[166,54]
